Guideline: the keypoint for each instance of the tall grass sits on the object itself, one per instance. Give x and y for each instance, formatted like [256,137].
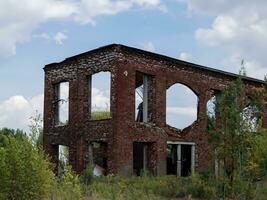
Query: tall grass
[152,188]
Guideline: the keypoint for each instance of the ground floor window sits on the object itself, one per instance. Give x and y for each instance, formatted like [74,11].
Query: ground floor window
[97,156]
[63,157]
[141,158]
[180,158]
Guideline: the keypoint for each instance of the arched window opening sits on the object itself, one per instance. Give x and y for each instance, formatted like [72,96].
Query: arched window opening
[99,86]
[181,106]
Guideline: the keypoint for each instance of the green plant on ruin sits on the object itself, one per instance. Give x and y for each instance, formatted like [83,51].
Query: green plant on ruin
[237,136]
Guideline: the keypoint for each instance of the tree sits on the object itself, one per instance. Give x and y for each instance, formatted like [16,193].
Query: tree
[24,169]
[238,135]
[36,129]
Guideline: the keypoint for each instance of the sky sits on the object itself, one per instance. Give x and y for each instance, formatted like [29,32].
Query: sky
[33,33]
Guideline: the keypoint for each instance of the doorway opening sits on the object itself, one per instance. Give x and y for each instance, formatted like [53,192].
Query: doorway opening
[140,158]
[97,157]
[180,158]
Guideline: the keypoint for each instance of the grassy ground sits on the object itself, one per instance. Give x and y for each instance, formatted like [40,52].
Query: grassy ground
[98,115]
[156,188]
[153,188]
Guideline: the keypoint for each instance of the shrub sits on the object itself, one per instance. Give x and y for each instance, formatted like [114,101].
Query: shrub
[87,175]
[67,186]
[24,170]
[199,188]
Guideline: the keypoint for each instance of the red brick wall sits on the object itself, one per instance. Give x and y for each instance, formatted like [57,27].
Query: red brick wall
[121,131]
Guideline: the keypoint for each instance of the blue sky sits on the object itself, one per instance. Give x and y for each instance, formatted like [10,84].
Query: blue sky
[33,33]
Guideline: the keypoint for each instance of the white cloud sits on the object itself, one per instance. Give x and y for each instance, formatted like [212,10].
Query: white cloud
[19,19]
[100,100]
[239,28]
[60,37]
[185,111]
[44,36]
[149,46]
[253,68]
[185,56]
[17,110]
[181,117]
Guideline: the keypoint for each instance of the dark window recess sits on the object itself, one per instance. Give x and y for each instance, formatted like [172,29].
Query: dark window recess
[179,162]
[186,160]
[140,158]
[97,155]
[172,159]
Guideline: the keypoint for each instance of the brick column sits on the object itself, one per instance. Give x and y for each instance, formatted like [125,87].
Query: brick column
[203,156]
[264,118]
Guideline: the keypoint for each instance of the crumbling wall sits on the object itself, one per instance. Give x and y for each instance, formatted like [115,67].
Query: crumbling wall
[121,130]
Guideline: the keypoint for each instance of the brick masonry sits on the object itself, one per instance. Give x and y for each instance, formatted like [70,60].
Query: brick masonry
[121,130]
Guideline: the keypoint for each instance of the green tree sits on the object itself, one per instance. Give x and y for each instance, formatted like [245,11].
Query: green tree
[24,169]
[238,136]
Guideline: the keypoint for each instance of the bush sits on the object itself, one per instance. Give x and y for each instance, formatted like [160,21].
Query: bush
[198,187]
[87,175]
[149,187]
[67,186]
[24,170]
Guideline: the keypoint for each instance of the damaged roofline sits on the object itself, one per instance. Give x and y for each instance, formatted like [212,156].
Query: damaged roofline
[156,56]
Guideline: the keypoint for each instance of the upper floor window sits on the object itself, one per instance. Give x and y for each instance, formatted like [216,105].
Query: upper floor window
[211,113]
[181,106]
[143,97]
[61,104]
[99,85]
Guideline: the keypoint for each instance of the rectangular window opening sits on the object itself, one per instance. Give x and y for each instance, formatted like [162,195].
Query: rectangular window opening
[141,159]
[99,86]
[63,157]
[143,97]
[97,157]
[61,104]
[180,158]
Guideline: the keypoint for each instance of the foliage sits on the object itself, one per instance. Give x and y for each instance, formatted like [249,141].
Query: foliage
[238,139]
[36,129]
[149,187]
[87,175]
[24,170]
[198,187]
[67,186]
[12,132]
[98,115]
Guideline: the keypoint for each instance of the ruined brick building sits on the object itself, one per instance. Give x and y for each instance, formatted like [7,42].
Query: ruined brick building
[123,143]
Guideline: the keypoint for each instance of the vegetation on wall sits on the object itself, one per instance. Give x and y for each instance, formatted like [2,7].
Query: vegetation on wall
[237,139]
